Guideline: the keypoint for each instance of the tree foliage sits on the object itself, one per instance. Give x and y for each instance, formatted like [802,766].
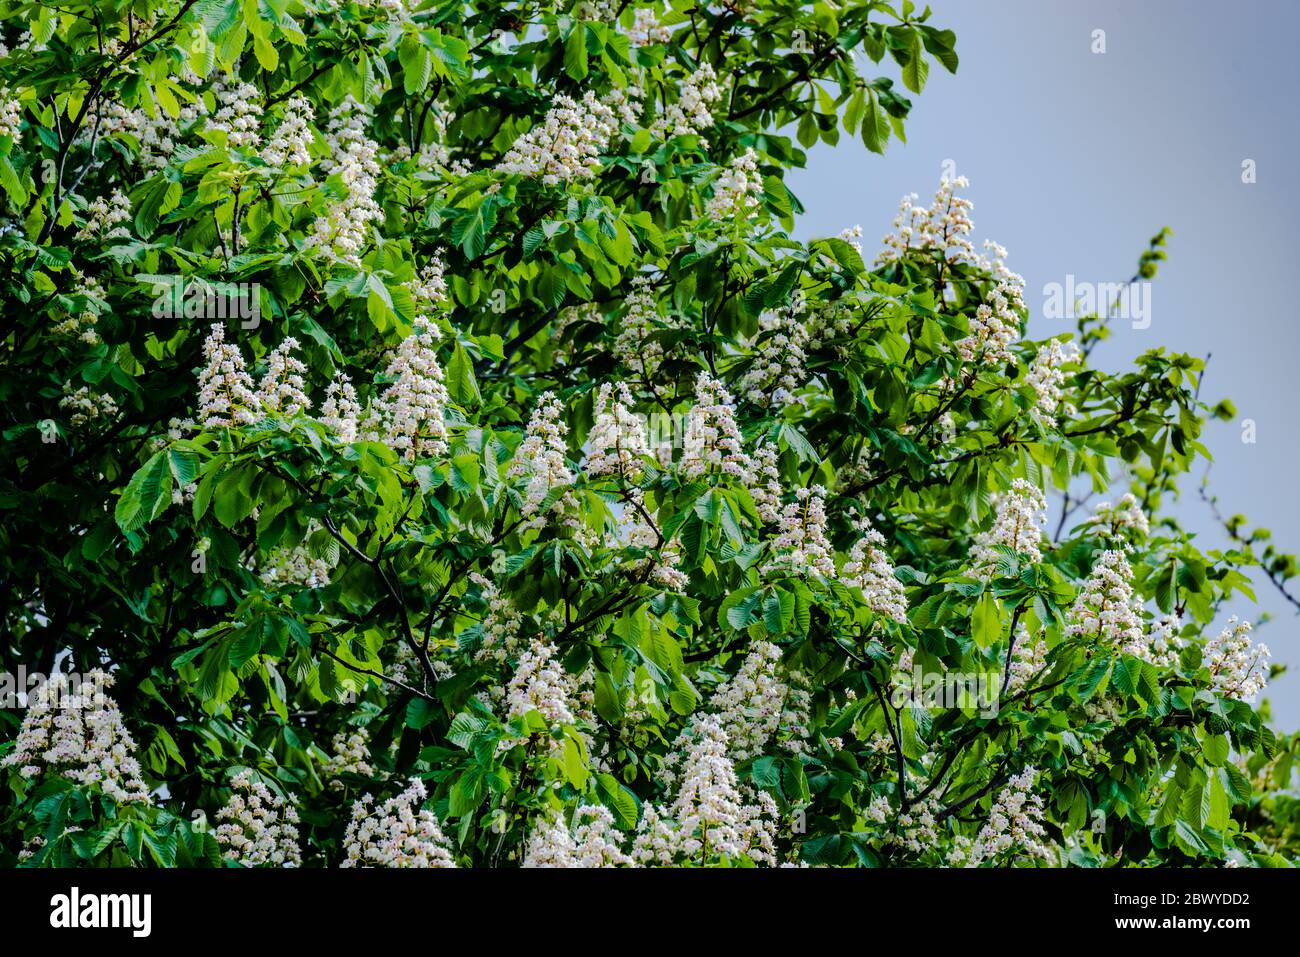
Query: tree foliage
[476,254]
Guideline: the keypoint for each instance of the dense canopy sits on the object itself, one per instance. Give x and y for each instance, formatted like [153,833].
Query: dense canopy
[426,445]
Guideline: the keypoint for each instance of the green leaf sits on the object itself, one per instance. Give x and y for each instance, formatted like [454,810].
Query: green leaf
[575,53]
[915,70]
[621,802]
[146,495]
[986,622]
[460,378]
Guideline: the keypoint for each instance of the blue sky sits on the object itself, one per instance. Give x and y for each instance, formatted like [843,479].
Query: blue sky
[1076,159]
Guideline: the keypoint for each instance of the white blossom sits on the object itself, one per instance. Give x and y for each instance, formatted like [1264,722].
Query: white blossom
[869,569]
[238,115]
[288,145]
[1046,376]
[343,230]
[397,833]
[1017,525]
[11,115]
[409,416]
[566,145]
[1106,610]
[1238,667]
[617,440]
[351,756]
[712,440]
[646,29]
[226,395]
[340,412]
[1115,521]
[105,218]
[736,191]
[86,405]
[1014,825]
[75,731]
[778,366]
[633,346]
[257,826]
[500,625]
[801,548]
[282,389]
[692,112]
[593,841]
[709,817]
[541,456]
[541,684]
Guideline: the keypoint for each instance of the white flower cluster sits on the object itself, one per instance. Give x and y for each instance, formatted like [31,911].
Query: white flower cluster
[78,733]
[282,390]
[753,707]
[288,145]
[617,439]
[156,136]
[918,827]
[637,529]
[351,756]
[1238,667]
[85,405]
[399,833]
[778,368]
[1164,644]
[755,703]
[1116,521]
[343,230]
[1015,824]
[341,411]
[567,143]
[1027,660]
[1106,610]
[410,415]
[81,325]
[764,482]
[105,217]
[541,684]
[593,841]
[692,112]
[11,115]
[1018,524]
[501,624]
[646,29]
[238,115]
[1046,375]
[736,191]
[226,395]
[633,347]
[709,817]
[942,229]
[869,569]
[802,548]
[294,565]
[428,287]
[712,439]
[258,826]
[995,327]
[541,456]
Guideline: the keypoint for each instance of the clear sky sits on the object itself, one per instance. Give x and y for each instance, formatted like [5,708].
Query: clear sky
[1077,158]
